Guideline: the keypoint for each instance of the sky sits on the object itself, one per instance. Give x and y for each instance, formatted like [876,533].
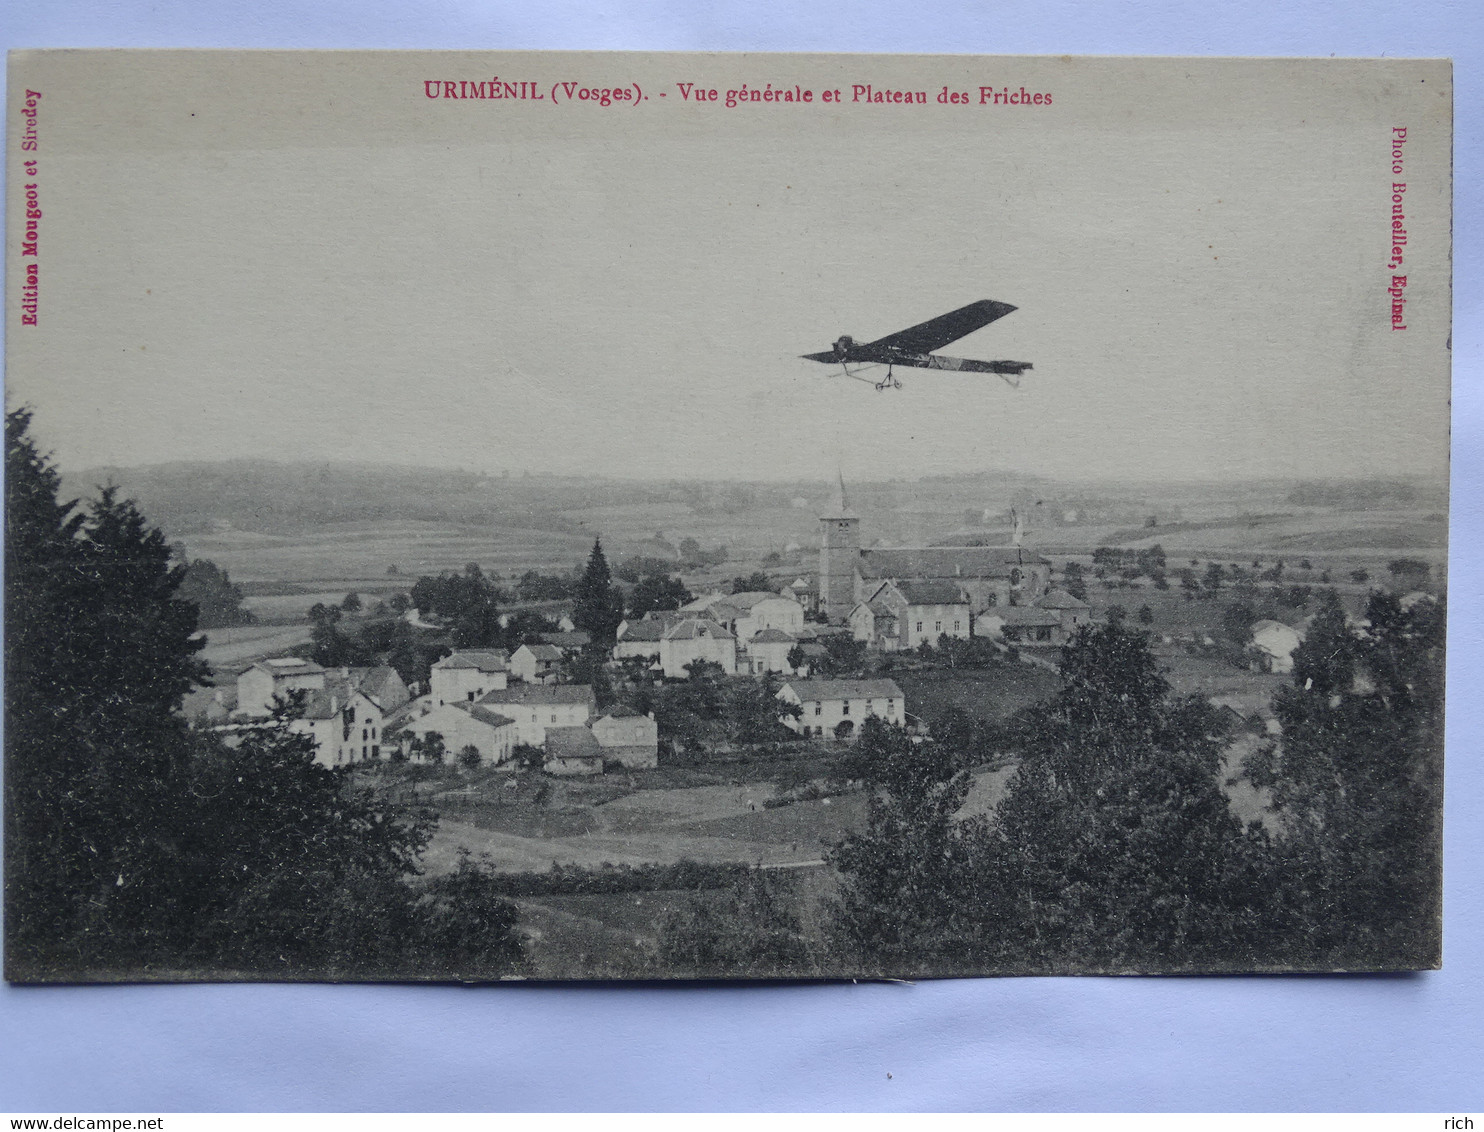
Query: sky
[319,263]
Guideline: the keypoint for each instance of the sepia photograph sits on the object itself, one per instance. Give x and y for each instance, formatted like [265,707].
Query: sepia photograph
[483,516]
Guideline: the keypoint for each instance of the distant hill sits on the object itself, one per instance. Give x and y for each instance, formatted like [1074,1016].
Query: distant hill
[287,498]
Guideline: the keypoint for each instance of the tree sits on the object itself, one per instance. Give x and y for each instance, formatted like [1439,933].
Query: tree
[218,601]
[352,603]
[1146,615]
[755,711]
[1114,845]
[1360,577]
[1074,581]
[655,592]
[137,848]
[796,658]
[599,607]
[901,876]
[844,655]
[1357,782]
[748,931]
[433,748]
[334,648]
[756,582]
[1215,578]
[469,757]
[1409,571]
[98,655]
[399,603]
[1237,620]
[590,666]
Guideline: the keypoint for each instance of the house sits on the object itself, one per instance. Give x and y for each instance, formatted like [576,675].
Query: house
[874,622]
[805,592]
[347,718]
[640,638]
[758,611]
[988,576]
[467,674]
[536,664]
[1272,646]
[1074,612]
[537,707]
[572,751]
[747,614]
[695,639]
[836,708]
[900,615]
[1021,625]
[768,652]
[462,724]
[262,682]
[629,738]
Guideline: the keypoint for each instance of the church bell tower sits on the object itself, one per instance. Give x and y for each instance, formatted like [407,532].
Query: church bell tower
[839,554]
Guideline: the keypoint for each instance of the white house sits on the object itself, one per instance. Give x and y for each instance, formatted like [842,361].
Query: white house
[836,708]
[348,717]
[536,664]
[258,685]
[900,615]
[768,652]
[695,639]
[536,707]
[640,638]
[1272,647]
[462,724]
[468,674]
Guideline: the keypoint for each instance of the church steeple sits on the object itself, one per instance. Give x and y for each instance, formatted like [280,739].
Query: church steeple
[840,507]
[839,555]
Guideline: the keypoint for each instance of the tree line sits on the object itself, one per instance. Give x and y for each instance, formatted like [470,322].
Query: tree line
[1114,847]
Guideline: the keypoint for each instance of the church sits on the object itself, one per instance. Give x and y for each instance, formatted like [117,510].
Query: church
[899,596]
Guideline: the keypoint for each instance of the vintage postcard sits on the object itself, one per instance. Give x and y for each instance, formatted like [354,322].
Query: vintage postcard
[565,516]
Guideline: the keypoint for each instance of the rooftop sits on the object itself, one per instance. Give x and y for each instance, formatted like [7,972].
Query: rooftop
[945,561]
[1025,616]
[695,628]
[773,637]
[643,630]
[532,694]
[483,660]
[289,666]
[844,689]
[572,743]
[932,593]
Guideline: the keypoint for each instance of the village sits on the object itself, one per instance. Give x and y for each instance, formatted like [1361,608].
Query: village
[485,706]
[918,637]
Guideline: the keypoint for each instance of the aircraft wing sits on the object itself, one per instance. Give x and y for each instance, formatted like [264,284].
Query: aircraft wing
[928,336]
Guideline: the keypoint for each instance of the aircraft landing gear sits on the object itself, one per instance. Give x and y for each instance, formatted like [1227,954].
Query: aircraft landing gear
[888,382]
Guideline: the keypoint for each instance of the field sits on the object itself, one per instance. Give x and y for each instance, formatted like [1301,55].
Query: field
[705,823]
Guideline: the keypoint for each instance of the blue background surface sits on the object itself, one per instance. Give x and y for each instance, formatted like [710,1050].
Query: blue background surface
[1368,1044]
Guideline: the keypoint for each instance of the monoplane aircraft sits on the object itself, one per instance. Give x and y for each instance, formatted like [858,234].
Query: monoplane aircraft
[915,345]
